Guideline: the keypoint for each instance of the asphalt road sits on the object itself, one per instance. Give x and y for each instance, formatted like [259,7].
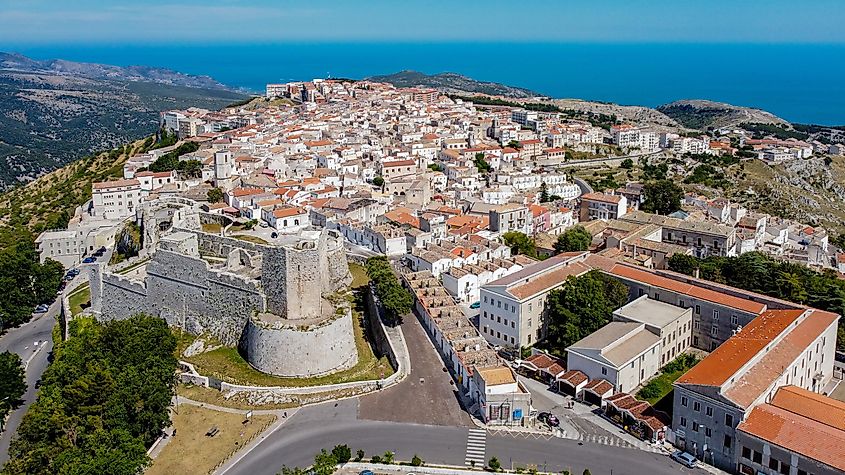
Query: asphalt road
[326,425]
[22,340]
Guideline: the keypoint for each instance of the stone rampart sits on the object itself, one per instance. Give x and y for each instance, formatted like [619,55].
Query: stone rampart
[287,350]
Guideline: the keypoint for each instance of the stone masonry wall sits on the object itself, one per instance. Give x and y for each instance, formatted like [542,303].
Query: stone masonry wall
[293,352]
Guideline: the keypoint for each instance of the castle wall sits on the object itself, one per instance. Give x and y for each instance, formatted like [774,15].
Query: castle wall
[121,298]
[188,294]
[290,351]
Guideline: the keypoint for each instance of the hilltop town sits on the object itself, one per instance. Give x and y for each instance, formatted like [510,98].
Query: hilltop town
[563,281]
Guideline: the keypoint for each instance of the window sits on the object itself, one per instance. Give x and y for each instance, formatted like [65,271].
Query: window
[714,330]
[683,421]
[657,296]
[498,319]
[734,320]
[500,304]
[694,426]
[729,420]
[708,432]
[604,371]
[773,463]
[746,453]
[695,341]
[784,468]
[801,472]
[715,314]
[727,442]
[485,299]
[696,406]
[696,324]
[485,314]
[513,324]
[684,401]
[632,364]
[682,304]
[639,292]
[757,457]
[709,411]
[698,309]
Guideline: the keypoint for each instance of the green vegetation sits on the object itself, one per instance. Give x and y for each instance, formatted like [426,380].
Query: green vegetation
[581,306]
[164,138]
[494,465]
[214,195]
[378,181]
[627,164]
[103,400]
[79,300]
[598,120]
[435,167]
[25,282]
[766,275]
[481,164]
[778,131]
[573,239]
[51,121]
[662,197]
[127,243]
[12,384]
[394,298]
[251,238]
[520,243]
[170,161]
[661,386]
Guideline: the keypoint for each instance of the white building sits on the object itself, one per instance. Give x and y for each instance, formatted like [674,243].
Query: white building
[116,199]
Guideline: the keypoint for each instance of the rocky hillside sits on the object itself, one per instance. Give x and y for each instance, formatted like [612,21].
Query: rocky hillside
[49,119]
[636,114]
[701,114]
[59,67]
[454,83]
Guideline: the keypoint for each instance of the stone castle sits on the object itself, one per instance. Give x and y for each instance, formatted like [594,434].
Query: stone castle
[282,304]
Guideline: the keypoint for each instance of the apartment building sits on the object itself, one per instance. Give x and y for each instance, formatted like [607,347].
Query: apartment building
[778,348]
[116,199]
[602,206]
[798,433]
[704,237]
[510,217]
[513,308]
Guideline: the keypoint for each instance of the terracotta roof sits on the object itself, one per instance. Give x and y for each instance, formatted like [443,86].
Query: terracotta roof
[812,405]
[398,163]
[287,212]
[684,288]
[798,433]
[603,197]
[115,184]
[763,375]
[496,376]
[548,280]
[599,387]
[730,356]
[573,377]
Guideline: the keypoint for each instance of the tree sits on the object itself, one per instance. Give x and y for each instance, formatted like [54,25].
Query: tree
[573,239]
[581,306]
[416,461]
[587,472]
[359,455]
[494,464]
[482,164]
[627,164]
[683,263]
[514,144]
[662,197]
[342,453]
[324,463]
[378,181]
[544,193]
[393,297]
[214,195]
[12,383]
[387,457]
[520,243]
[26,283]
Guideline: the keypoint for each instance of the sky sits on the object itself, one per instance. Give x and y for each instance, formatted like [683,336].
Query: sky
[39,22]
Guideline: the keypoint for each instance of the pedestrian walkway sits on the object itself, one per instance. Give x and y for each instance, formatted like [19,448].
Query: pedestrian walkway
[476,448]
[614,441]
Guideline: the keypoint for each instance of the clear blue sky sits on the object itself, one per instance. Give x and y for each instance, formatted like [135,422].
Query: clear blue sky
[28,22]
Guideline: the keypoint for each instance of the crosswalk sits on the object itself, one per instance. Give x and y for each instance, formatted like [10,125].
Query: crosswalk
[476,448]
[617,442]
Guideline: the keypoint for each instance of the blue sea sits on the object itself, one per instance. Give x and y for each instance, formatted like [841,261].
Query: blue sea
[799,82]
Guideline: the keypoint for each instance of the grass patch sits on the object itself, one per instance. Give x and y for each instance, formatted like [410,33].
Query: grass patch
[359,276]
[191,451]
[217,398]
[661,386]
[79,300]
[249,238]
[212,228]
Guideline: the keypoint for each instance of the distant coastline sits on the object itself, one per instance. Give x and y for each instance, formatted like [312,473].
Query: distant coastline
[801,83]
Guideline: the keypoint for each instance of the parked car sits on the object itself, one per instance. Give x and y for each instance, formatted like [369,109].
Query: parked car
[89,260]
[42,308]
[684,458]
[366,472]
[476,304]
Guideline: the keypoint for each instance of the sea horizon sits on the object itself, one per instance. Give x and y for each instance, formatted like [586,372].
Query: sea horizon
[799,82]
